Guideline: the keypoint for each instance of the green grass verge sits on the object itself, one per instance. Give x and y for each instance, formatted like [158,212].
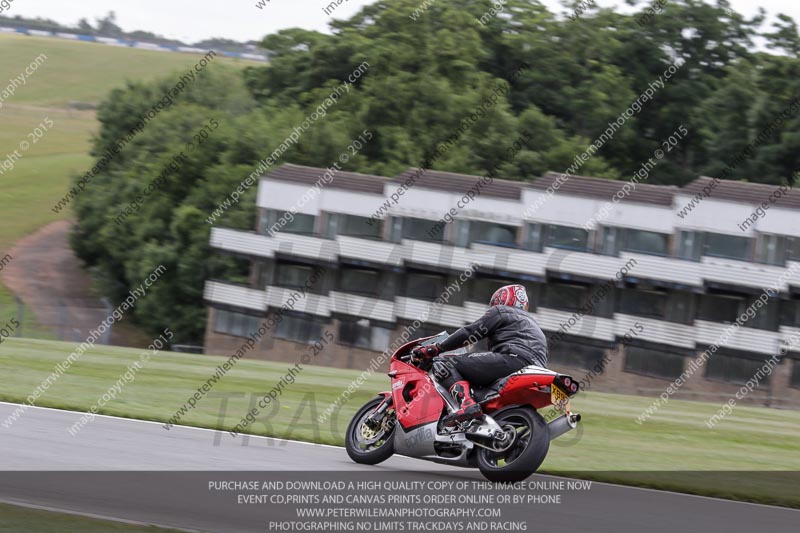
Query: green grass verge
[14,519]
[665,452]
[11,310]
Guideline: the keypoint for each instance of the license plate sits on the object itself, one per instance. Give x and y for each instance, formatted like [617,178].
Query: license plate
[559,398]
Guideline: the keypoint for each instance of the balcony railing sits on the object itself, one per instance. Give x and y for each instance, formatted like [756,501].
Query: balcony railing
[655,331]
[745,339]
[507,259]
[588,326]
[701,333]
[235,295]
[361,306]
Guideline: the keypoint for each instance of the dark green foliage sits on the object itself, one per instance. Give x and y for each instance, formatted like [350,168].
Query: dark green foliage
[425,77]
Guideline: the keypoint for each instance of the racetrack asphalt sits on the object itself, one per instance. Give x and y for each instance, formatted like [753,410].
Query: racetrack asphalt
[138,471]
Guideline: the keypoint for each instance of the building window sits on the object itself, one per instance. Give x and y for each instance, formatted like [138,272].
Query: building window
[460,234]
[237,324]
[690,245]
[795,382]
[726,309]
[653,363]
[363,334]
[565,296]
[424,286]
[693,244]
[567,237]
[719,308]
[488,233]
[646,242]
[306,328]
[292,276]
[264,273]
[482,289]
[533,237]
[793,249]
[643,303]
[727,246]
[353,226]
[285,222]
[429,330]
[609,240]
[420,229]
[766,317]
[733,369]
[576,355]
[359,281]
[613,240]
[679,307]
[771,249]
[790,313]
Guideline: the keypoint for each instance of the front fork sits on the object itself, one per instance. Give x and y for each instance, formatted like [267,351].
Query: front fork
[373,421]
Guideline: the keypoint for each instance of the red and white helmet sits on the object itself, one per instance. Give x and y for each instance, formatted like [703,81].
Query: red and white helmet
[510,295]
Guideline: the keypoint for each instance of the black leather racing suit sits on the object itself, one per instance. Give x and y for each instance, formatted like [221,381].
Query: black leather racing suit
[515,341]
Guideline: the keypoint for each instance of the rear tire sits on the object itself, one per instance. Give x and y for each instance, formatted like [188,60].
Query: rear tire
[525,455]
[366,446]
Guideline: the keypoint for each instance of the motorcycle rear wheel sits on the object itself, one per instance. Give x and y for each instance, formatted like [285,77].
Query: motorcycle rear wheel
[532,442]
[370,446]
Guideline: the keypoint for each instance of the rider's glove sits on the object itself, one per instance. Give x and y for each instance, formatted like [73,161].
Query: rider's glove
[422,353]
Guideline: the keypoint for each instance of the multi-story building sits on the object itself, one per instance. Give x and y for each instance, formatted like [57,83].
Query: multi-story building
[639,293]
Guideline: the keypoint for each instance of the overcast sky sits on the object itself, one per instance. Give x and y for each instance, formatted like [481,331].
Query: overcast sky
[193,20]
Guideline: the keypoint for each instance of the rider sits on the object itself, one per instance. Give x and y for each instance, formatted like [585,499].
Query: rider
[515,341]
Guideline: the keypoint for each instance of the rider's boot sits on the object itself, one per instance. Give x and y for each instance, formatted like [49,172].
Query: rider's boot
[469,409]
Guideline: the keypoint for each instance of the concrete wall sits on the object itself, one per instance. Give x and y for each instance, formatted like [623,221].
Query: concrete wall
[776,393]
[274,349]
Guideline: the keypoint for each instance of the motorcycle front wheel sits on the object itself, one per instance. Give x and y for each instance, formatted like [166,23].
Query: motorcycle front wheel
[526,454]
[366,445]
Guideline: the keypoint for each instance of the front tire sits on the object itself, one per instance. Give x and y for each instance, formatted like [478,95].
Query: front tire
[532,442]
[368,446]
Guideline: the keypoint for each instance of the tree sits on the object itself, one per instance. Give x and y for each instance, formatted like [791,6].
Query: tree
[447,91]
[85,27]
[108,26]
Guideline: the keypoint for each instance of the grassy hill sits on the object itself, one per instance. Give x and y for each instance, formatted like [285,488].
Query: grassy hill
[73,72]
[673,450]
[86,72]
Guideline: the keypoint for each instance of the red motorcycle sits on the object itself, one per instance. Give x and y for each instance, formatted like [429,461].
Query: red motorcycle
[508,444]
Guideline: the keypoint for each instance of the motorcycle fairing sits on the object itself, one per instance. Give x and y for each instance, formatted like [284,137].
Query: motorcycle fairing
[416,400]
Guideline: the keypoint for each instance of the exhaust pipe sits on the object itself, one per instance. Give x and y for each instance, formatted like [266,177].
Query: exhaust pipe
[563,424]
